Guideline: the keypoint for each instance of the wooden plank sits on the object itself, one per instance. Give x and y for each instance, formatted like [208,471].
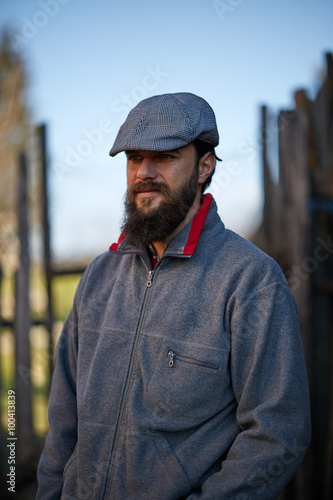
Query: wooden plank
[329,282]
[323,119]
[269,237]
[329,465]
[294,184]
[22,323]
[323,183]
[68,271]
[266,179]
[274,222]
[42,133]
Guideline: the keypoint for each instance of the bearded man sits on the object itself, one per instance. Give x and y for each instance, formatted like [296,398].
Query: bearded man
[180,370]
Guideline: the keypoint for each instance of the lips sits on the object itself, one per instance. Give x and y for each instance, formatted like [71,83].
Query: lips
[146,194]
[147,191]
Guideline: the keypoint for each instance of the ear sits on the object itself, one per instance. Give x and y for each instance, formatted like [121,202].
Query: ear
[206,167]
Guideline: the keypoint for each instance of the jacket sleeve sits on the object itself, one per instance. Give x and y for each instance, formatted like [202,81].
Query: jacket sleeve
[270,385]
[62,436]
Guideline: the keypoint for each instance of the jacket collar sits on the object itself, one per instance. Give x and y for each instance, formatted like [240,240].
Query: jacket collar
[185,243]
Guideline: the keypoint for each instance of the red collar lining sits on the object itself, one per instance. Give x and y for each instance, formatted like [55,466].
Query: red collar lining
[197,225]
[115,246]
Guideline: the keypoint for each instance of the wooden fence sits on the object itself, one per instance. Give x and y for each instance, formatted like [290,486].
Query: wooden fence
[297,231]
[28,446]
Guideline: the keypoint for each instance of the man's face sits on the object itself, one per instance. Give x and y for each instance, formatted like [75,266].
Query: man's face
[162,187]
[148,170]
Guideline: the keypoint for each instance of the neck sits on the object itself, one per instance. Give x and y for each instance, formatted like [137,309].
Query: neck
[160,246]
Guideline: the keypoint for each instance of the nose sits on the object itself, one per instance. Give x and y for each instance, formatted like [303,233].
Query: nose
[146,170]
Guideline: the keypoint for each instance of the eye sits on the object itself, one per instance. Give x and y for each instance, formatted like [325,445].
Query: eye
[133,157]
[165,156]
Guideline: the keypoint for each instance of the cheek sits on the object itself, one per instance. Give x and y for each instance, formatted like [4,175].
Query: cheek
[131,177]
[171,178]
[176,181]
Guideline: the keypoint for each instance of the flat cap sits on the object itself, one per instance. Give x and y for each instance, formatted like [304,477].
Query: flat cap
[166,122]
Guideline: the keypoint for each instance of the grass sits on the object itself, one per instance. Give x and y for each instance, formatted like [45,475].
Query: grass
[63,291]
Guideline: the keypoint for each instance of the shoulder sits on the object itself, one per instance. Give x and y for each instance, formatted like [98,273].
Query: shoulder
[232,248]
[236,252]
[245,251]
[240,266]
[251,261]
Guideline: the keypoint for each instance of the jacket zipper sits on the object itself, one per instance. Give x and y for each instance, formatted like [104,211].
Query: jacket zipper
[206,364]
[128,382]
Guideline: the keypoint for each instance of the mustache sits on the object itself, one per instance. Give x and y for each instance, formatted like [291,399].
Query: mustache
[142,186]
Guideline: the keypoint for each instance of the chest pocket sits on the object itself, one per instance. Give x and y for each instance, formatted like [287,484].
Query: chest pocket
[189,381]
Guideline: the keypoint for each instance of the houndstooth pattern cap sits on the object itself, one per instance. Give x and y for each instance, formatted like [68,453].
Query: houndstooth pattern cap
[166,122]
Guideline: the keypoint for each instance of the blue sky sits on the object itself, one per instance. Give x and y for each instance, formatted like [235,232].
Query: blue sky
[90,61]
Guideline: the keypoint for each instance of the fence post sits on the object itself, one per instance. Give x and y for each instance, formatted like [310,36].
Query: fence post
[22,323]
[41,131]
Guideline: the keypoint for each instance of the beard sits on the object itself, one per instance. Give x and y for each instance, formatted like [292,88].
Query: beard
[145,225]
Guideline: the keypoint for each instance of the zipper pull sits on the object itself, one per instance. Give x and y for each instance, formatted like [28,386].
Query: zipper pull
[171,355]
[150,277]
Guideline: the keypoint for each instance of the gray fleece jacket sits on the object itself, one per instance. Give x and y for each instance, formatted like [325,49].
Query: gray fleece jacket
[186,381]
